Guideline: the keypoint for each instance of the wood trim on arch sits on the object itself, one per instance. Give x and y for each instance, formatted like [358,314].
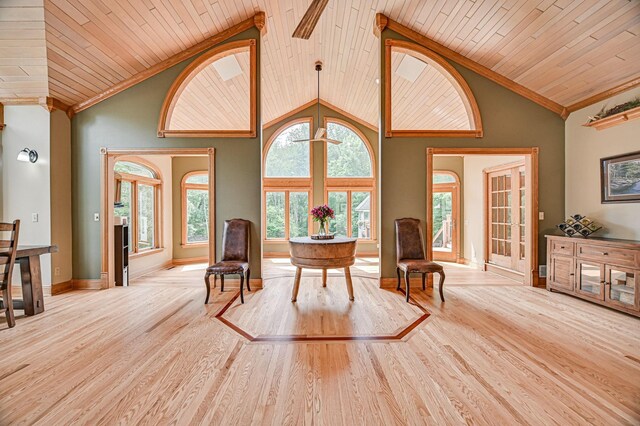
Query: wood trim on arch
[469,63]
[191,71]
[459,83]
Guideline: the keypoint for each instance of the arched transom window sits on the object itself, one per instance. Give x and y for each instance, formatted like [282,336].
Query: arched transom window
[138,199]
[349,181]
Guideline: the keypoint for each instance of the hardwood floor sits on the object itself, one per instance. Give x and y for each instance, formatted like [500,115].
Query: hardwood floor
[493,353]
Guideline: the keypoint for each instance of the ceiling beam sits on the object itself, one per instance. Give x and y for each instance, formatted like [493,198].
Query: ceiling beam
[383,21]
[258,21]
[604,95]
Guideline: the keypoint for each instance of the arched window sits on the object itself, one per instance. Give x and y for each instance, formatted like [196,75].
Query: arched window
[195,208]
[138,199]
[425,96]
[288,181]
[350,181]
[286,158]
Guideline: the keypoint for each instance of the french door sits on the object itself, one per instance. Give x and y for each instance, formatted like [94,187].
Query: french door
[444,240]
[506,198]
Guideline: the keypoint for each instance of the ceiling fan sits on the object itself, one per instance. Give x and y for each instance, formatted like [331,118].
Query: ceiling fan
[310,19]
[319,136]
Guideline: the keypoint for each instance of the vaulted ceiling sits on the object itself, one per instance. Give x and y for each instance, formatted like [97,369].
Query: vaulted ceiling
[565,50]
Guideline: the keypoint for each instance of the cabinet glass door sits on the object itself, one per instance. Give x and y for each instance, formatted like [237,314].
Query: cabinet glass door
[590,282]
[622,286]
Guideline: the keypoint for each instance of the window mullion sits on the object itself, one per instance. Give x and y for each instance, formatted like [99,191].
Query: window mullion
[348,213]
[134,215]
[286,215]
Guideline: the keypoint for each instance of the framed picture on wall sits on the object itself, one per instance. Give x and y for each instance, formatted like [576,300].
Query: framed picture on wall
[620,178]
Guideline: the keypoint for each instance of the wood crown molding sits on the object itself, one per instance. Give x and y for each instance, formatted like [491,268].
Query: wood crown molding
[470,64]
[604,95]
[348,115]
[289,114]
[381,22]
[48,103]
[258,21]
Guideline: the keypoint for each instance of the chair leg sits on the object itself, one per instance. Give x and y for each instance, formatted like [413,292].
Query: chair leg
[207,284]
[406,283]
[441,285]
[248,278]
[8,306]
[242,288]
[215,281]
[398,273]
[221,283]
[423,282]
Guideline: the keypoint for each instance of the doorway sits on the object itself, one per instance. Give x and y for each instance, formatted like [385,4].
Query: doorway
[148,237]
[508,221]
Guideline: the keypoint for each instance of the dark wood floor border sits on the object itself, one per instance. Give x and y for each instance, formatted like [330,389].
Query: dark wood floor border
[293,338]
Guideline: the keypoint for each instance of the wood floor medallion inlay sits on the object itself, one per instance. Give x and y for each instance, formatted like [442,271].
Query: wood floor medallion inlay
[322,314]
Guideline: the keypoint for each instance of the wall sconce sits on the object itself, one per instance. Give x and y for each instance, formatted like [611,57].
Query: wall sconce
[28,155]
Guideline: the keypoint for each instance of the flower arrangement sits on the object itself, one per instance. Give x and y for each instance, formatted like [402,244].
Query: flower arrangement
[322,214]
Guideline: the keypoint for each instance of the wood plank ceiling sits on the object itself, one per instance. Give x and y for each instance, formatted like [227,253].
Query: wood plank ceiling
[566,50]
[23,50]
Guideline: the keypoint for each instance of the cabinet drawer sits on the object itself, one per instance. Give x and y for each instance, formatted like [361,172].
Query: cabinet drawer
[616,256]
[562,247]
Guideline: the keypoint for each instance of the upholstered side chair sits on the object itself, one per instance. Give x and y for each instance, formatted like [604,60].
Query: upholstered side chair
[235,256]
[8,249]
[410,254]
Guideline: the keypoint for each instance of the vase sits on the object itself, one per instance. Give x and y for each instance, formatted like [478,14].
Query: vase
[323,228]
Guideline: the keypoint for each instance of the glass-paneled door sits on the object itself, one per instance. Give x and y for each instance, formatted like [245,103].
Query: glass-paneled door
[444,240]
[506,217]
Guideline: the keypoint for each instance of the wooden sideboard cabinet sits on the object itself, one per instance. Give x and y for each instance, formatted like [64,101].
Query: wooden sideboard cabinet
[601,270]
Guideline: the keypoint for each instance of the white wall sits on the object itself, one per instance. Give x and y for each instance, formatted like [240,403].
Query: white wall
[26,186]
[585,147]
[149,263]
[473,200]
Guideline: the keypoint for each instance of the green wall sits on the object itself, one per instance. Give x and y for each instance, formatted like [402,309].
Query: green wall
[180,166]
[129,120]
[509,120]
[318,165]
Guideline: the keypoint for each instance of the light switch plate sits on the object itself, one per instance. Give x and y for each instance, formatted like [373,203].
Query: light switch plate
[96,217]
[34,217]
[541,215]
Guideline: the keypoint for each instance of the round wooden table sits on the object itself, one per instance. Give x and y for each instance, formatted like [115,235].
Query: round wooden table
[339,252]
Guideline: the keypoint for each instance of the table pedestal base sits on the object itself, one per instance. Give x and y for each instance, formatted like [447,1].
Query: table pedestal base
[296,282]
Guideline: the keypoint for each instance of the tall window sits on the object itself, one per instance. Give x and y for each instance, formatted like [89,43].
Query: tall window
[195,208]
[139,203]
[349,181]
[288,182]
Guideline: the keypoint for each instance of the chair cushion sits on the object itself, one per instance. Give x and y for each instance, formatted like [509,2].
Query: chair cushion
[228,267]
[417,265]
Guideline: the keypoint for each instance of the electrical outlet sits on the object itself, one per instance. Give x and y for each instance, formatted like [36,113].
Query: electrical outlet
[56,271]
[541,215]
[34,217]
[96,217]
